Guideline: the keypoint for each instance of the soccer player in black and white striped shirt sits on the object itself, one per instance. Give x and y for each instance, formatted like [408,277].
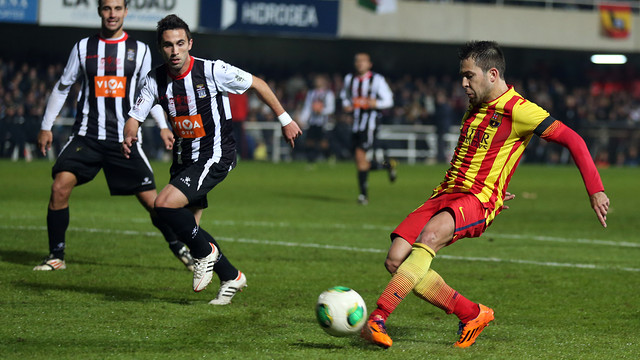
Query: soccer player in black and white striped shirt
[194,93]
[364,94]
[110,66]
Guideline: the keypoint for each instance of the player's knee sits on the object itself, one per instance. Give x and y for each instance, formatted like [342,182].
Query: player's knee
[160,203]
[392,265]
[60,190]
[431,239]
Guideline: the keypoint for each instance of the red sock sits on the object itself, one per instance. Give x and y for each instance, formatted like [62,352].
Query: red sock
[465,309]
[379,313]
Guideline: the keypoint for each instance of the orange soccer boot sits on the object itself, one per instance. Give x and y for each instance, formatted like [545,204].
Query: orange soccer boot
[469,332]
[375,332]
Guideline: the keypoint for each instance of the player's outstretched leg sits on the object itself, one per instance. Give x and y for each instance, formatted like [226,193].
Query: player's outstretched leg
[469,332]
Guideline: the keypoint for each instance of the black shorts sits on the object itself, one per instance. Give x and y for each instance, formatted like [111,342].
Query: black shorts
[315,133]
[84,158]
[197,179]
[364,139]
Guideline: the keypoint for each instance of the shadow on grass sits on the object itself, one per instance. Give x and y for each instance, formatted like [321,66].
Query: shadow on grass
[109,293]
[21,257]
[33,258]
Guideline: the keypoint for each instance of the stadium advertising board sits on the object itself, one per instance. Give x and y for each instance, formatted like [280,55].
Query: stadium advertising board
[143,14]
[286,17]
[19,11]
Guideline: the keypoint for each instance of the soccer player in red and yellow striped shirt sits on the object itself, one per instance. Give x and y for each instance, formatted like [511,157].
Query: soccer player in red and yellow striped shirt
[494,133]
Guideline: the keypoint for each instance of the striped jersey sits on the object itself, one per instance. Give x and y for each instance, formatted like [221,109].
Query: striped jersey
[493,137]
[313,118]
[110,71]
[356,93]
[197,103]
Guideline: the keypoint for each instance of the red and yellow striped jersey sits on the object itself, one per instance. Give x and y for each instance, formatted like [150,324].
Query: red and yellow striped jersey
[493,137]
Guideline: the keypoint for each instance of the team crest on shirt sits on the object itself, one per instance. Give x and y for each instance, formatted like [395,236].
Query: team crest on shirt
[496,120]
[131,55]
[202,92]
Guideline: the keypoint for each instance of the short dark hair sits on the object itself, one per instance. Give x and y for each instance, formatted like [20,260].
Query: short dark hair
[126,4]
[172,22]
[486,54]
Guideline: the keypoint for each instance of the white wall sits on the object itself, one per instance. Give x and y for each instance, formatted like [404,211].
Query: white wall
[509,25]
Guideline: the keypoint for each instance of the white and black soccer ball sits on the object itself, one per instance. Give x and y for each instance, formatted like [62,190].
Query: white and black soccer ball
[341,311]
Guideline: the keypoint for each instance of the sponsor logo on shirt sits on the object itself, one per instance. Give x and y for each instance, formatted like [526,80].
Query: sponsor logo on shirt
[110,86]
[189,126]
[361,102]
[110,63]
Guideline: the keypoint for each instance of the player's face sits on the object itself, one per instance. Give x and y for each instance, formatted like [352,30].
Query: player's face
[175,47]
[362,63]
[112,13]
[320,82]
[475,82]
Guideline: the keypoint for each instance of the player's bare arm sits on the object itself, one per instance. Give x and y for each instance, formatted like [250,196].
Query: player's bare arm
[291,131]
[130,136]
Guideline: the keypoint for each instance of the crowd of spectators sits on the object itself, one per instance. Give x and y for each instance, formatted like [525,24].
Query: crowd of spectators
[604,107]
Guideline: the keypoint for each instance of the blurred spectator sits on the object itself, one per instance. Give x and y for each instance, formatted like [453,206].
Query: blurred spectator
[444,118]
[239,111]
[602,98]
[317,112]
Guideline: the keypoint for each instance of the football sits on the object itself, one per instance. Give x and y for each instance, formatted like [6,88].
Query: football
[341,311]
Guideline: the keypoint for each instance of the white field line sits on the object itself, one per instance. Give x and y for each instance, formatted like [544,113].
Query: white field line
[298,225]
[289,225]
[335,247]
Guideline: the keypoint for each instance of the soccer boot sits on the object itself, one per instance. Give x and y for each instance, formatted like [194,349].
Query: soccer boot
[375,332]
[228,289]
[50,263]
[469,332]
[392,168]
[363,199]
[203,269]
[184,255]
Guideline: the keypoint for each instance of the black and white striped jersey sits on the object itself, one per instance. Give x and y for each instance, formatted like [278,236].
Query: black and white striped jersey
[356,93]
[318,118]
[197,103]
[110,71]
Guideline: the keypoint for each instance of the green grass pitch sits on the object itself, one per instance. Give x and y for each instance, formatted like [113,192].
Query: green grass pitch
[561,286]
